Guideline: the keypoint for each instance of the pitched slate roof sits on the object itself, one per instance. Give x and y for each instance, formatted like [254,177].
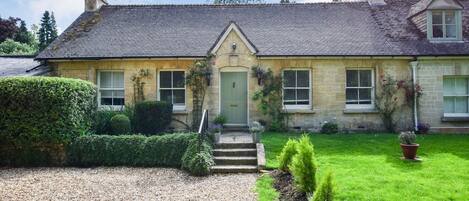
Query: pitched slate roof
[318,29]
[20,66]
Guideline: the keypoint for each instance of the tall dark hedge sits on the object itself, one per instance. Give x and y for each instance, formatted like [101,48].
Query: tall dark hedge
[152,117]
[130,150]
[39,116]
[44,109]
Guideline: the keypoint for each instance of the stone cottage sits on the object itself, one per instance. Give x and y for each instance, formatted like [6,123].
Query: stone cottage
[331,56]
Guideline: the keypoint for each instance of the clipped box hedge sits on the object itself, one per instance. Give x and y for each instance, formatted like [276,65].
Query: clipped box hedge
[129,150]
[39,114]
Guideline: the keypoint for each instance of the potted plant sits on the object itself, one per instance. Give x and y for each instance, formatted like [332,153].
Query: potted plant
[219,121]
[256,129]
[408,145]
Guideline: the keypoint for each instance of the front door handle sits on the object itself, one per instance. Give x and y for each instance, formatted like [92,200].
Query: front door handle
[234,84]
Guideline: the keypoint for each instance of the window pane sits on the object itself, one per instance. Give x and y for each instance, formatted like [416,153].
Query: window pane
[165,95]
[289,103]
[450,17]
[106,101]
[302,102]
[105,80]
[365,94]
[179,97]
[303,78]
[448,86]
[352,78]
[460,105]
[118,101]
[449,104]
[460,87]
[437,31]
[178,79]
[289,94]
[289,78]
[106,93]
[165,79]
[119,93]
[365,78]
[451,31]
[302,94]
[118,80]
[351,95]
[437,17]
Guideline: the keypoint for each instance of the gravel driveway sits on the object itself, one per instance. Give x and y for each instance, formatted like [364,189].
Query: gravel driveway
[121,183]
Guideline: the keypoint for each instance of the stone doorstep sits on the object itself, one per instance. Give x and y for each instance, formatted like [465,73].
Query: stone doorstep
[235,160]
[235,145]
[234,169]
[235,152]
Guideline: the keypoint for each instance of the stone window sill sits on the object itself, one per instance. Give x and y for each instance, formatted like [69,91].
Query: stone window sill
[299,111]
[361,111]
[455,119]
[180,112]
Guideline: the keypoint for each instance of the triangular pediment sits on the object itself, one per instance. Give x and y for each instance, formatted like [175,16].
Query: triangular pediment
[232,28]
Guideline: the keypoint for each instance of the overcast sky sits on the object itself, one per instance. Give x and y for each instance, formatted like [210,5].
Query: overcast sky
[66,11]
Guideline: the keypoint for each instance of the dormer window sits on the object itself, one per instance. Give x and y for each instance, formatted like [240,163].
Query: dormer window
[444,24]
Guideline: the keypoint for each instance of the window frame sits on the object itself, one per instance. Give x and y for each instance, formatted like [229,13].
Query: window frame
[175,107]
[373,88]
[456,114]
[310,100]
[457,18]
[98,84]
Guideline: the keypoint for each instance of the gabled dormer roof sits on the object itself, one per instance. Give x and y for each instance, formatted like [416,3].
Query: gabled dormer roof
[232,27]
[423,5]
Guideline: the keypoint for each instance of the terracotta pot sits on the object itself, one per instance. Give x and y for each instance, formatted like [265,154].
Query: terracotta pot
[409,150]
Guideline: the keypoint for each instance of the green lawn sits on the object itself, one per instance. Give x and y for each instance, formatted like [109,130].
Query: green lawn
[368,166]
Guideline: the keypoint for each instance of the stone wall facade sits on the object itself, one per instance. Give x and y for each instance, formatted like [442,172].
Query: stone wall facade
[430,73]
[328,76]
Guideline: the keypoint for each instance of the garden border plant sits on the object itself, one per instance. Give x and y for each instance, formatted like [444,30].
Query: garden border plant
[270,99]
[40,116]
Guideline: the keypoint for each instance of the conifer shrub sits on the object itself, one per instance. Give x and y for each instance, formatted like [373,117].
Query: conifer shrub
[326,189]
[303,166]
[286,156]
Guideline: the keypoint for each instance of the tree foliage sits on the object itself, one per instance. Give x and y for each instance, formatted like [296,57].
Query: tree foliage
[8,28]
[48,31]
[24,36]
[11,47]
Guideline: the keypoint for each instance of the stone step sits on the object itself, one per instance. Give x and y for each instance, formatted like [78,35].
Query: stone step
[235,145]
[235,160]
[234,169]
[235,152]
[235,129]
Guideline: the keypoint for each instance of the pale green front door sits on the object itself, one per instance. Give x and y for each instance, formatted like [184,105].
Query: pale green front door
[233,97]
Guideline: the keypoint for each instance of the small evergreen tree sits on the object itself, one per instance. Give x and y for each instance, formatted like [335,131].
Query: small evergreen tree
[24,36]
[303,166]
[48,31]
[286,156]
[326,189]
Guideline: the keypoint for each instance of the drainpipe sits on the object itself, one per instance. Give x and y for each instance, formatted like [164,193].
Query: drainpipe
[414,64]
